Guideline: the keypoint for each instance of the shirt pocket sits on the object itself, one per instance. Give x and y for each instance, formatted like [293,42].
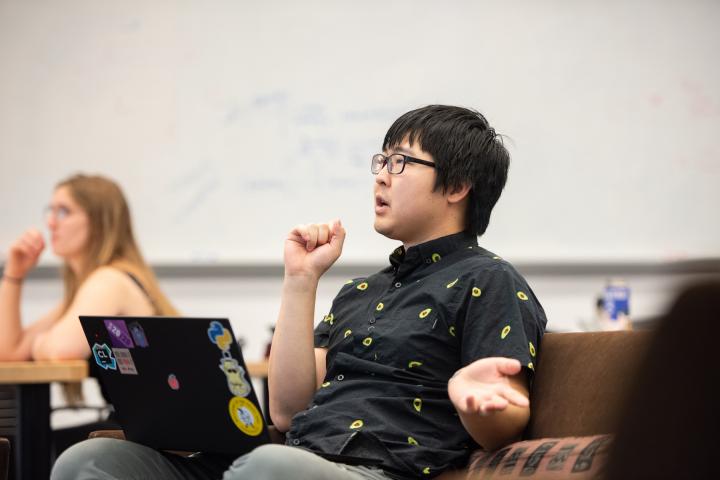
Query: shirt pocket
[422,341]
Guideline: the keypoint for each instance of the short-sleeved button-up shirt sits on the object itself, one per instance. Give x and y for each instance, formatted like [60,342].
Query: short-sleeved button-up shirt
[395,338]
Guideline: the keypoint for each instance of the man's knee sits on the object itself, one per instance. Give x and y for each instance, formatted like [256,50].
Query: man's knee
[266,462]
[76,458]
[109,458]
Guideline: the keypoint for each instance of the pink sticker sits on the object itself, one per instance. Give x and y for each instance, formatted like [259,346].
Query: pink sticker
[173,382]
[125,362]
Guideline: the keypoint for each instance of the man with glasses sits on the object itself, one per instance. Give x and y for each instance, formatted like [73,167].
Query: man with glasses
[415,366]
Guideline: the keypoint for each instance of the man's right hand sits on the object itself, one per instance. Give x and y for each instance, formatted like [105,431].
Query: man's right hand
[311,249]
[24,254]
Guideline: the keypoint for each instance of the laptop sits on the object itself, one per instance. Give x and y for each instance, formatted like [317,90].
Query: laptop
[176,383]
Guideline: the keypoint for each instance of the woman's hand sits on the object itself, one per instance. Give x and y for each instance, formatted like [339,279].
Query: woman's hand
[23,255]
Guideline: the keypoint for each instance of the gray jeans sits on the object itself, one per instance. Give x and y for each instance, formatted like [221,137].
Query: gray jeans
[107,458]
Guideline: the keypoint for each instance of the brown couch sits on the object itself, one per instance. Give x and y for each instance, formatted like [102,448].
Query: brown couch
[579,386]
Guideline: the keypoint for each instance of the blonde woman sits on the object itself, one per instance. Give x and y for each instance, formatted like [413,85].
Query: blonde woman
[103,272]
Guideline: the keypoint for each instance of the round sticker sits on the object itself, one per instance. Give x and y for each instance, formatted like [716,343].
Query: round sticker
[245,416]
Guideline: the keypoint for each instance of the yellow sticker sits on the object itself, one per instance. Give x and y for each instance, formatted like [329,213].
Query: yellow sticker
[414,363]
[349,282]
[356,424]
[532,349]
[412,441]
[367,341]
[223,341]
[380,306]
[476,292]
[426,470]
[497,258]
[452,284]
[245,416]
[505,332]
[417,404]
[522,296]
[329,318]
[531,366]
[235,374]
[452,330]
[348,332]
[326,384]
[362,286]
[436,257]
[425,312]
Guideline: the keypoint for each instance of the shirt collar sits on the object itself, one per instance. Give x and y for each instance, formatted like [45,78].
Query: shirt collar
[432,251]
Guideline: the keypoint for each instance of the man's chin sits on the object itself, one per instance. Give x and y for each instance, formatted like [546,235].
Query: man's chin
[384,230]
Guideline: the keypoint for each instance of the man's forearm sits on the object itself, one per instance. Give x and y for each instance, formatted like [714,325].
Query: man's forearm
[291,373]
[497,428]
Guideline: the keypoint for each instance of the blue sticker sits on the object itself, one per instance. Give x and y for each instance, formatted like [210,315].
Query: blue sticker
[104,357]
[138,334]
[220,335]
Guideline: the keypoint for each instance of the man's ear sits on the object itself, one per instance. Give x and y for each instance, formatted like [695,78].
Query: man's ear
[458,194]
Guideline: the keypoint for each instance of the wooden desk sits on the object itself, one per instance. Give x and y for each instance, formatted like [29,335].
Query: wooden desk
[258,369]
[43,372]
[25,401]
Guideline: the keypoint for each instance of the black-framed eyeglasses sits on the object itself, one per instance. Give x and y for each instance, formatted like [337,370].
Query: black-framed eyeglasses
[395,163]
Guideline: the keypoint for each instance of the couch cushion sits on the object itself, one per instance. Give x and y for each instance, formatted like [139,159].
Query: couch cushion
[542,459]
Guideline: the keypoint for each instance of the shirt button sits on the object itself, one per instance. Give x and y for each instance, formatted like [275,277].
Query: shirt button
[296,442]
[398,284]
[340,377]
[372,320]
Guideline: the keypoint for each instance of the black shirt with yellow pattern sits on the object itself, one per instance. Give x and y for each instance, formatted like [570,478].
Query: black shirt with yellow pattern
[395,338]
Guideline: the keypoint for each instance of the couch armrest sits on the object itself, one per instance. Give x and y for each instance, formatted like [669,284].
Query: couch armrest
[117,434]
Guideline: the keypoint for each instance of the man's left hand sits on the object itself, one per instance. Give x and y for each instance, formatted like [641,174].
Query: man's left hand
[484,386]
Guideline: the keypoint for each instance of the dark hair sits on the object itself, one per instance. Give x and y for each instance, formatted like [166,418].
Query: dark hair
[466,151]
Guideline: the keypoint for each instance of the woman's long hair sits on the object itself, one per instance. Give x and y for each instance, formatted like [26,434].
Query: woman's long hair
[110,240]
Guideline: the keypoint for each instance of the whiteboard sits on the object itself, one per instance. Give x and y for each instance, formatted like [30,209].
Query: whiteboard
[229,122]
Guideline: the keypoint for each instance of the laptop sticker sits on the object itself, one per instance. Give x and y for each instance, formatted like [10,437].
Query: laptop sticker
[103,356]
[220,336]
[235,374]
[125,361]
[245,416]
[173,382]
[138,334]
[119,335]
